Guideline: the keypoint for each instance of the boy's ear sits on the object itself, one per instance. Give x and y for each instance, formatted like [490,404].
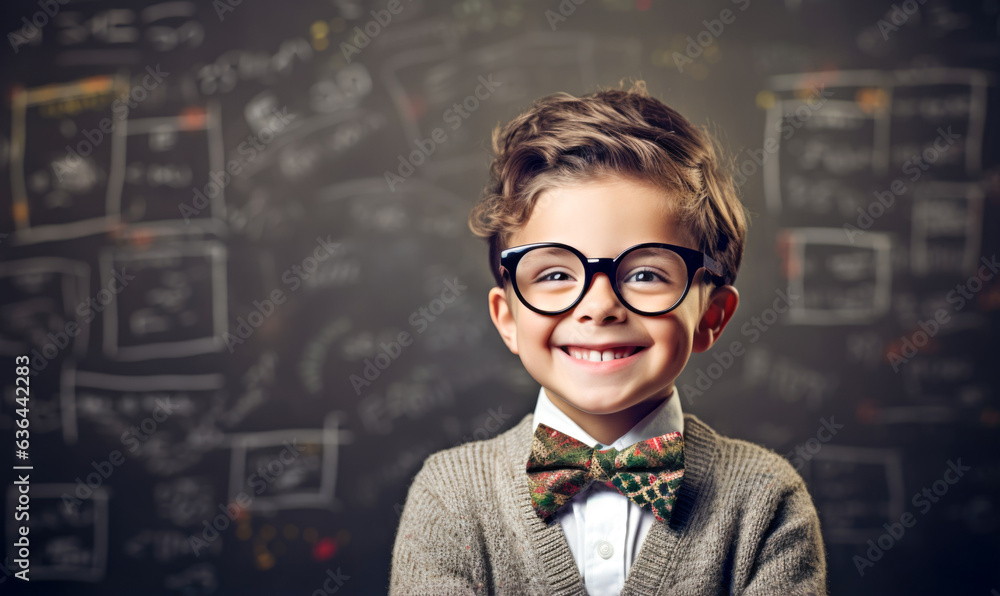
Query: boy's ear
[722,303]
[503,318]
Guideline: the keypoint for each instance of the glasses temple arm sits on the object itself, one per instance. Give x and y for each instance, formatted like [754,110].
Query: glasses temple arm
[715,268]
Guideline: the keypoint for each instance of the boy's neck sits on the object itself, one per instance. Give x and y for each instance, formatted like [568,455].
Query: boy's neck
[608,428]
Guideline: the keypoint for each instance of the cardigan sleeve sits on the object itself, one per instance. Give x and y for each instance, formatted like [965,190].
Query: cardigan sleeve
[791,558]
[435,549]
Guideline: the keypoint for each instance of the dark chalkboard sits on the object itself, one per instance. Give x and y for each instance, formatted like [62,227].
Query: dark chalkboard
[233,247]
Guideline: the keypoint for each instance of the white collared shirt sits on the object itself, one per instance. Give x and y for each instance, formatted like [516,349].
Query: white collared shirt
[603,527]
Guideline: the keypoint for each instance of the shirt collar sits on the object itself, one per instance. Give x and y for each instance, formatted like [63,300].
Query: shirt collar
[666,418]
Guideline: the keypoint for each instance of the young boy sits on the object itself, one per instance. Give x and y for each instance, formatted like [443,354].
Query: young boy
[615,235]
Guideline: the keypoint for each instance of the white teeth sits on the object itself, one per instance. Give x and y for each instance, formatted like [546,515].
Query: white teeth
[599,356]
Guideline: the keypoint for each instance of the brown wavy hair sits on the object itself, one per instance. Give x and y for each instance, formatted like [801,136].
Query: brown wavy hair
[561,139]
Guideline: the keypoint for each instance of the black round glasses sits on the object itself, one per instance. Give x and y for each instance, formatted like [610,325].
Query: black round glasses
[650,279]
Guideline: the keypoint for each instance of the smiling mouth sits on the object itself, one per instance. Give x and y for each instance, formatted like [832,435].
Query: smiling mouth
[602,355]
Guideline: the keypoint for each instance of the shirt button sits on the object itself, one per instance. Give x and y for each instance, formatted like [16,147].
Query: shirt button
[605,549]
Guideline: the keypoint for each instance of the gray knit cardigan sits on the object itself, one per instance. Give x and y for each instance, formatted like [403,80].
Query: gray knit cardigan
[743,523]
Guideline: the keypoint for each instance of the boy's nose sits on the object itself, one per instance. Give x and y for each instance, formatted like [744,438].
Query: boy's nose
[599,300]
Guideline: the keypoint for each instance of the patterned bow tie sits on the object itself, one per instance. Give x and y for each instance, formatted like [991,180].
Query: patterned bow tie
[648,472]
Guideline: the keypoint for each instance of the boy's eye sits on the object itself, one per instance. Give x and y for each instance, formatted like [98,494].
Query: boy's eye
[648,276]
[554,276]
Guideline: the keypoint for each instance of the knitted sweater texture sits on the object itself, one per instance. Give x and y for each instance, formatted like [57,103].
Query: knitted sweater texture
[743,523]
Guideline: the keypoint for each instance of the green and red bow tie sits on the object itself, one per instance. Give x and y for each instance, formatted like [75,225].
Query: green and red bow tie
[648,472]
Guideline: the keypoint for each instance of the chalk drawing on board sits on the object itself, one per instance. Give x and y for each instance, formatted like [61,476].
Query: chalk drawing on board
[196,579]
[340,88]
[143,383]
[67,402]
[68,543]
[52,401]
[831,115]
[43,287]
[373,207]
[185,500]
[174,170]
[849,283]
[308,142]
[856,489]
[166,421]
[66,167]
[163,312]
[164,545]
[788,380]
[885,84]
[167,36]
[946,228]
[978,81]
[288,468]
[41,317]
[448,79]
[826,78]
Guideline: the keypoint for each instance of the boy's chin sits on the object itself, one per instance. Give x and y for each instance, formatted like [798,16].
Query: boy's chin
[597,405]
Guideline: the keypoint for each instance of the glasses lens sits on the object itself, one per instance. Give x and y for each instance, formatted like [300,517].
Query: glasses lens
[550,278]
[652,279]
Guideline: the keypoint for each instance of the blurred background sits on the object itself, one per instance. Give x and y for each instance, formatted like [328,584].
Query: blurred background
[233,247]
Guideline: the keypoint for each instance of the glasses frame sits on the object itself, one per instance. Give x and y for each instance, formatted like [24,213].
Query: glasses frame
[693,261]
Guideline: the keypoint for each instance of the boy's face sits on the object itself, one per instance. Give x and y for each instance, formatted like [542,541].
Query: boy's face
[601,218]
